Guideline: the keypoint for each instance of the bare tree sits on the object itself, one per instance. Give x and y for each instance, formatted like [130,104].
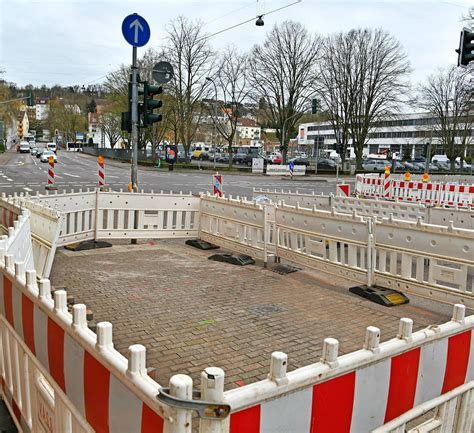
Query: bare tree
[447,96]
[110,124]
[334,86]
[232,84]
[377,82]
[188,50]
[283,75]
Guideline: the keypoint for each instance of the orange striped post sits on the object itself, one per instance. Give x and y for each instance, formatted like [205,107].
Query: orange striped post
[50,184]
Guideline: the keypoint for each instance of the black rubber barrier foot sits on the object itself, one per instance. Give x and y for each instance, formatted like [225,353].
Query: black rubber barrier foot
[380,295]
[240,260]
[88,245]
[202,245]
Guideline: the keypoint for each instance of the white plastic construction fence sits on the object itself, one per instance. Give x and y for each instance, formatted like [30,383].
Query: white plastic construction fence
[462,218]
[58,376]
[447,194]
[430,261]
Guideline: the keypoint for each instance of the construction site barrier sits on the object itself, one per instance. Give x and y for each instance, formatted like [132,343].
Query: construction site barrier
[58,375]
[238,224]
[433,193]
[120,215]
[461,218]
[364,390]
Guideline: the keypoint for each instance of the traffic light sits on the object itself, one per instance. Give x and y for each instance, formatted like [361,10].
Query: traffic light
[314,106]
[466,46]
[337,147]
[30,100]
[424,153]
[149,104]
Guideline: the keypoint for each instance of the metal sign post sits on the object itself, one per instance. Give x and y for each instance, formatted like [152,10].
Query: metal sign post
[136,32]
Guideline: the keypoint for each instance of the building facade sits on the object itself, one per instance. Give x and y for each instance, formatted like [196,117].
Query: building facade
[42,109]
[395,135]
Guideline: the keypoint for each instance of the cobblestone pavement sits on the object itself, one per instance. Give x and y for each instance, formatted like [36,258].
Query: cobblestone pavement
[192,313]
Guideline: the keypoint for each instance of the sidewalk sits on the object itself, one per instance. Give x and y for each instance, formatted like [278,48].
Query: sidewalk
[192,313]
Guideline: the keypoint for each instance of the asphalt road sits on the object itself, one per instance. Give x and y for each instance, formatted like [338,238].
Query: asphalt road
[20,172]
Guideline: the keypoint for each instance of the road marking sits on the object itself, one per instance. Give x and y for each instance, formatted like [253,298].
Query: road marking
[71,175]
[27,189]
[9,180]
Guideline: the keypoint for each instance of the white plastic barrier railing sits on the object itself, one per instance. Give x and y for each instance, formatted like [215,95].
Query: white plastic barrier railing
[373,207]
[59,376]
[414,257]
[45,226]
[453,413]
[18,242]
[78,211]
[363,390]
[121,215]
[238,224]
[329,241]
[146,215]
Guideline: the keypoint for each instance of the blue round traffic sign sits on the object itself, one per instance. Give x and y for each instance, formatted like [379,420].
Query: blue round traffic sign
[136,30]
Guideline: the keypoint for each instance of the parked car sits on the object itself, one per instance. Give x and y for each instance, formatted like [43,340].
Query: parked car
[375,164]
[239,158]
[200,155]
[300,160]
[223,158]
[326,164]
[46,154]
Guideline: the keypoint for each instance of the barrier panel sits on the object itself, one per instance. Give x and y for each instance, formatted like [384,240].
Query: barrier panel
[18,243]
[363,390]
[146,215]
[78,210]
[236,224]
[58,375]
[414,257]
[451,194]
[329,241]
[461,218]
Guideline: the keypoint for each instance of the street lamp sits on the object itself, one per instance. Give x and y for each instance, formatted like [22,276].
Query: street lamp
[215,117]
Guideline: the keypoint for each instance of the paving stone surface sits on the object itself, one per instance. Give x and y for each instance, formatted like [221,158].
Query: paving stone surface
[193,313]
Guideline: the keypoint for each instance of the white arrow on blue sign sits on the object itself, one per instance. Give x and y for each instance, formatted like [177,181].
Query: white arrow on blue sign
[136,30]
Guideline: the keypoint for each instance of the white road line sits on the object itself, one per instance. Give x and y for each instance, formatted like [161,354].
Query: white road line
[71,175]
[9,180]
[27,189]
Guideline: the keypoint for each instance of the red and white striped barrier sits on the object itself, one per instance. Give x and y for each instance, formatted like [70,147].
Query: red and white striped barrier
[101,172]
[430,193]
[98,394]
[50,184]
[362,398]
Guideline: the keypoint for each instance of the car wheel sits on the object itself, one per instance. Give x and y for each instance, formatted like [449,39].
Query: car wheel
[249,164]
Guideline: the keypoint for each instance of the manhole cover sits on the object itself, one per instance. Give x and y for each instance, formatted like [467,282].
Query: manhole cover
[285,269]
[262,310]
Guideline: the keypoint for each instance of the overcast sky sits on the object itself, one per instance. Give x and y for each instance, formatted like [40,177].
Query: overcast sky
[77,42]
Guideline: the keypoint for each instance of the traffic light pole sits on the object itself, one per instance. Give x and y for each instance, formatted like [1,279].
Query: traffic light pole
[134,174]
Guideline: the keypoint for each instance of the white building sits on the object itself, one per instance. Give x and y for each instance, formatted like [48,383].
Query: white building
[42,109]
[394,134]
[247,129]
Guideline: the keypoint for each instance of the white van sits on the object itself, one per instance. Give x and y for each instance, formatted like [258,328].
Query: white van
[51,146]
